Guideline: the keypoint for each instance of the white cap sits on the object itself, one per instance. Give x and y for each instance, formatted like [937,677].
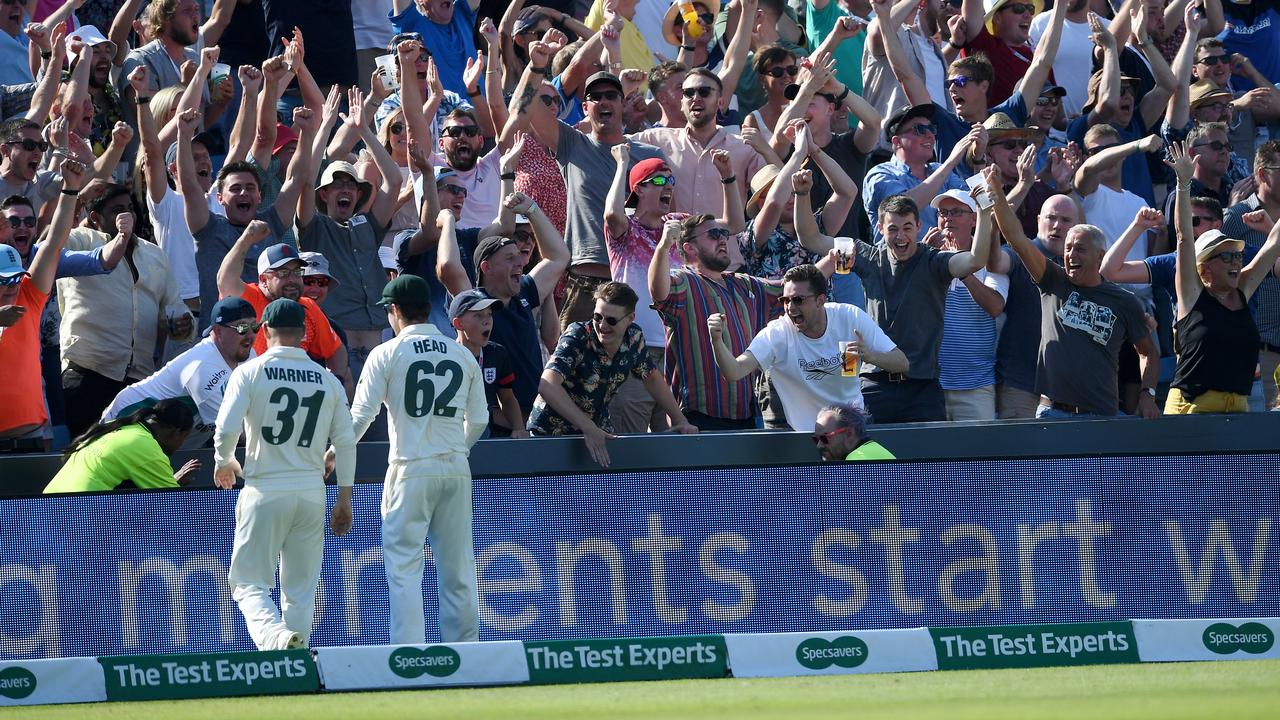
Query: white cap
[89,35]
[957,195]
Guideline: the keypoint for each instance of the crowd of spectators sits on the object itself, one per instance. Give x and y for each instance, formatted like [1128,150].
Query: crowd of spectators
[644,215]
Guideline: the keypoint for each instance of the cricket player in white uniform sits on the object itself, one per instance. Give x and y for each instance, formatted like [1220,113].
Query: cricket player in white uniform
[290,409]
[200,374]
[435,401]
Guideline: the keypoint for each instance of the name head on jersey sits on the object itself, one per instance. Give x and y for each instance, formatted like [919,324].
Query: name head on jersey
[472,300]
[284,314]
[229,311]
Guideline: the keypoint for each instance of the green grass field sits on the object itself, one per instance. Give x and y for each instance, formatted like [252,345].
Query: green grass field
[1233,690]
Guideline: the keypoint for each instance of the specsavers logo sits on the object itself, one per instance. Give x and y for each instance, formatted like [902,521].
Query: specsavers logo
[17,682]
[436,661]
[1251,637]
[845,651]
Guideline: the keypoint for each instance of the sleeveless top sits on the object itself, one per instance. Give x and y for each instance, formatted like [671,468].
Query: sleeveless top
[1217,348]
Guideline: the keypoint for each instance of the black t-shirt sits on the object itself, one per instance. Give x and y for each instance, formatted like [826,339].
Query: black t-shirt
[497,373]
[854,162]
[244,42]
[1217,348]
[329,30]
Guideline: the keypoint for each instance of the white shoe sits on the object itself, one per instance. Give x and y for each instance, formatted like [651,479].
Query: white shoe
[295,642]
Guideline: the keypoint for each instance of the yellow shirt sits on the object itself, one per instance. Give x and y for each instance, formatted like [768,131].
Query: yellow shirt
[129,453]
[635,51]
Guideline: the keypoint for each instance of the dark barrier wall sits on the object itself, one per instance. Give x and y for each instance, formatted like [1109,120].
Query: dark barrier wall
[723,550]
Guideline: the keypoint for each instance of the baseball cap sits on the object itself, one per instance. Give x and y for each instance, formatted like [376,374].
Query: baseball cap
[901,117]
[91,36]
[1212,241]
[284,136]
[1051,89]
[471,300]
[398,38]
[444,171]
[276,256]
[488,246]
[406,289]
[957,195]
[284,313]
[603,76]
[10,263]
[229,310]
[644,170]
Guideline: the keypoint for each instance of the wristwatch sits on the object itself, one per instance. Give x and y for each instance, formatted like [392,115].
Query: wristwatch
[1150,391]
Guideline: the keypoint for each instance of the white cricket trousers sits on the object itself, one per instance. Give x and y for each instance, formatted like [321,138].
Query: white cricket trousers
[437,508]
[283,525]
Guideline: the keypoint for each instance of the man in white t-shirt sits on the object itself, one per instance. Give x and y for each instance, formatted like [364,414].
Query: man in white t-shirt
[460,143]
[373,32]
[199,374]
[1075,51]
[802,349]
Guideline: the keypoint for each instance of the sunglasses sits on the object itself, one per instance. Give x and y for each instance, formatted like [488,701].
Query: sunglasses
[243,328]
[550,101]
[958,81]
[922,129]
[30,145]
[1212,60]
[702,91]
[522,237]
[1047,100]
[315,281]
[658,181]
[704,18]
[957,4]
[598,318]
[1011,144]
[954,212]
[396,128]
[1019,8]
[285,274]
[1216,146]
[825,438]
[1198,220]
[457,131]
[17,222]
[9,281]
[455,189]
[777,72]
[789,300]
[1214,106]
[715,233]
[1234,256]
[605,96]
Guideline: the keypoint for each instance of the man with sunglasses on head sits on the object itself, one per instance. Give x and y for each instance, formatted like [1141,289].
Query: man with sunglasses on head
[23,150]
[840,433]
[973,86]
[199,375]
[587,165]
[280,275]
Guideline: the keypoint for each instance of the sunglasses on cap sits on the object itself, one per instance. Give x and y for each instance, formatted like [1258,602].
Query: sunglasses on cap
[777,72]
[17,222]
[658,181]
[1019,8]
[1212,60]
[603,96]
[315,281]
[455,189]
[598,318]
[30,145]
[825,438]
[1215,145]
[457,131]
[702,91]
[243,328]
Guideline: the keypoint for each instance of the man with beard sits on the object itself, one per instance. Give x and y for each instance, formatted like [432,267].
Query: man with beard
[802,351]
[1019,342]
[107,110]
[199,375]
[111,323]
[174,26]
[280,272]
[690,149]
[460,142]
[23,149]
[239,193]
[906,283]
[587,165]
[1086,322]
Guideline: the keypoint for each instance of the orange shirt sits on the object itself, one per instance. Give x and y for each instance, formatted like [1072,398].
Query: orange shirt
[319,340]
[22,392]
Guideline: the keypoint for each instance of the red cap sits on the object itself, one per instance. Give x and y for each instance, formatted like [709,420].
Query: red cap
[644,170]
[284,136]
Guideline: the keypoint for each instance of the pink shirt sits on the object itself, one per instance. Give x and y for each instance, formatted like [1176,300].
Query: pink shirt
[629,258]
[697,188]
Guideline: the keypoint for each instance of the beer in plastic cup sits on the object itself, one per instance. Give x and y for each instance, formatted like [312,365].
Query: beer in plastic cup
[850,360]
[220,72]
[844,255]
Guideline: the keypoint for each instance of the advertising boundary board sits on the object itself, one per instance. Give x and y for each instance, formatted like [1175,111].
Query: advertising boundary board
[348,668]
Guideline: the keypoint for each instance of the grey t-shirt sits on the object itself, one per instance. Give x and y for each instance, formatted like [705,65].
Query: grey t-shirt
[352,251]
[588,168]
[43,188]
[215,240]
[907,300]
[1081,332]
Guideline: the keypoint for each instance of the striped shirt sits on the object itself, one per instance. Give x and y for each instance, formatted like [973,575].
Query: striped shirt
[748,304]
[1266,301]
[967,357]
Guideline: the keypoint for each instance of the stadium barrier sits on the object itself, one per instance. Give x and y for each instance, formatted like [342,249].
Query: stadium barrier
[330,669]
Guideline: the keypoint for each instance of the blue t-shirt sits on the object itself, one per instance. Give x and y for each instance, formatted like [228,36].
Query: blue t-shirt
[893,177]
[516,329]
[1135,175]
[1019,345]
[952,128]
[450,45]
[1256,39]
[424,266]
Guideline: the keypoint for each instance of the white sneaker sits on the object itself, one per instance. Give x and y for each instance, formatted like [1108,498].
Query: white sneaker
[295,642]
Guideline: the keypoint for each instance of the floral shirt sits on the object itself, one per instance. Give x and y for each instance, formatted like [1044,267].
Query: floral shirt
[538,176]
[780,253]
[105,117]
[590,377]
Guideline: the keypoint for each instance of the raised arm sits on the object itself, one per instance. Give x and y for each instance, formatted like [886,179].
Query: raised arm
[912,84]
[1114,266]
[1152,105]
[105,166]
[776,199]
[660,264]
[843,190]
[1187,274]
[1042,59]
[193,200]
[305,165]
[157,175]
[121,26]
[735,56]
[1087,177]
[805,222]
[615,204]
[812,79]
[1178,113]
[193,94]
[295,59]
[544,126]
[1264,263]
[887,23]
[987,297]
[551,246]
[274,73]
[968,262]
[925,192]
[1011,227]
[732,369]
[732,215]
[50,80]
[44,266]
[494,101]
[212,29]
[384,203]
[229,271]
[449,257]
[1108,100]
[246,125]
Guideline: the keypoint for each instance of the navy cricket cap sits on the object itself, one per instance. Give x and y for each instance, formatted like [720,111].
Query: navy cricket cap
[229,310]
[471,300]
